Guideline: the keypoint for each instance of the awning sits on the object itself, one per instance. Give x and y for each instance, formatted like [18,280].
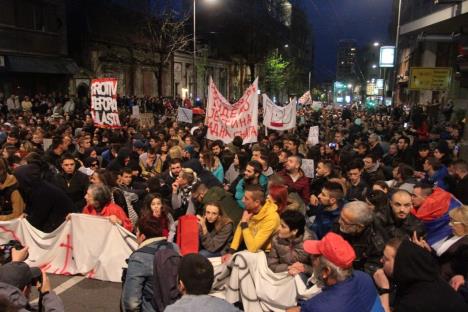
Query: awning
[42,65]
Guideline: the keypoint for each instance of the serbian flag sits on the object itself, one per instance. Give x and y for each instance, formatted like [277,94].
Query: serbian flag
[434,213]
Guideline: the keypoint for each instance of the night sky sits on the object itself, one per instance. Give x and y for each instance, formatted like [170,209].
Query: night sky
[363,20]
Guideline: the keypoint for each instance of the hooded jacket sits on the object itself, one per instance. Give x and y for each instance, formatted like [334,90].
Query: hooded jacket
[227,202]
[51,302]
[419,287]
[15,199]
[261,227]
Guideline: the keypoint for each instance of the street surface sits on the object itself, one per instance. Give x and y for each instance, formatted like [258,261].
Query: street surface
[81,294]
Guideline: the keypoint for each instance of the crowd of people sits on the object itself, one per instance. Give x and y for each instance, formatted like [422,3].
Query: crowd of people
[382,225]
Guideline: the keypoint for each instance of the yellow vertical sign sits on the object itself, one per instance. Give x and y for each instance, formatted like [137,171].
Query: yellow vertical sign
[430,78]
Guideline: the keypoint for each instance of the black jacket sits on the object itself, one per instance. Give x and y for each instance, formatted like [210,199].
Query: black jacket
[368,246]
[461,190]
[398,228]
[419,287]
[47,206]
[75,186]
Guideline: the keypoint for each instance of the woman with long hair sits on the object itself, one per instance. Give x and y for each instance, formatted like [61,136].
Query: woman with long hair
[213,164]
[155,206]
[216,231]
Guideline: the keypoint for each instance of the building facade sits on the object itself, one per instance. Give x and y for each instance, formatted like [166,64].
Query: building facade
[33,47]
[346,61]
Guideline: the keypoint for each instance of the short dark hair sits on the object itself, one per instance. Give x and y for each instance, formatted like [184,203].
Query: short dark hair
[461,165]
[66,156]
[406,139]
[425,187]
[175,161]
[327,163]
[378,199]
[218,143]
[434,162]
[335,189]
[371,156]
[126,170]
[355,164]
[294,220]
[256,165]
[257,192]
[197,274]
[405,171]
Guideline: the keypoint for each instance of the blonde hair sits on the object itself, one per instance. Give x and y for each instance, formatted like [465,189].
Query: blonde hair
[188,174]
[460,211]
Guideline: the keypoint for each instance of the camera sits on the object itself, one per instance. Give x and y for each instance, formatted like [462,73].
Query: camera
[5,250]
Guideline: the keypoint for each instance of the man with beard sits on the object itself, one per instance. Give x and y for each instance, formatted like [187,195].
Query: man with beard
[415,274]
[295,179]
[356,225]
[252,176]
[323,173]
[328,210]
[399,222]
[461,174]
[343,289]
[258,223]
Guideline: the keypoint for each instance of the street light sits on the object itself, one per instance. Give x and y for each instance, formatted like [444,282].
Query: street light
[376,44]
[374,66]
[195,46]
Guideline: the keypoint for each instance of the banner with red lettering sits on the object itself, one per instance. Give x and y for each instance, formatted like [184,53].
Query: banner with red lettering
[279,117]
[104,103]
[226,121]
[87,245]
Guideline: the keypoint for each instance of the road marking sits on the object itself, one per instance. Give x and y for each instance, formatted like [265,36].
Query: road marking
[65,286]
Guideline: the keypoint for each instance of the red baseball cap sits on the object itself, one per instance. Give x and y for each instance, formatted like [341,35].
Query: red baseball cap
[334,248]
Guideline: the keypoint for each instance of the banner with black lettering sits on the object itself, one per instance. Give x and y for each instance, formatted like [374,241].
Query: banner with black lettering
[104,103]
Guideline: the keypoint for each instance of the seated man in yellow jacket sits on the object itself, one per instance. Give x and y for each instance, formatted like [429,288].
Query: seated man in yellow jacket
[258,224]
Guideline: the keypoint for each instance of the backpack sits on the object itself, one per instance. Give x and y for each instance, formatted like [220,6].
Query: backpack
[6,206]
[165,274]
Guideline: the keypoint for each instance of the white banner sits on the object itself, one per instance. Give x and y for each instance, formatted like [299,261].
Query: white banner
[313,138]
[278,117]
[308,168]
[225,121]
[135,111]
[87,245]
[184,115]
[305,99]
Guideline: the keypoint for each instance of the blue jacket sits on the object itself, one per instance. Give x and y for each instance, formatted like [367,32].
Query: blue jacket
[240,189]
[355,294]
[438,179]
[324,220]
[137,292]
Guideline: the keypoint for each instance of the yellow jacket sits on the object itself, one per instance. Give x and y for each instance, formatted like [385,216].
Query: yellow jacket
[261,228]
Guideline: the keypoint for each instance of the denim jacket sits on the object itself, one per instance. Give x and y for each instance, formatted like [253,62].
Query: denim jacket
[137,292]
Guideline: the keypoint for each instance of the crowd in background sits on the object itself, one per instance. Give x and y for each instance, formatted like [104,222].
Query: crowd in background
[382,225]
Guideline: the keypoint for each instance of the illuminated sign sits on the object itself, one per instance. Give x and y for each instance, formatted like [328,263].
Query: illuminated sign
[387,56]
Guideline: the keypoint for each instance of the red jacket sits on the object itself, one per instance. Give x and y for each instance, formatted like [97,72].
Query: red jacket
[301,186]
[109,210]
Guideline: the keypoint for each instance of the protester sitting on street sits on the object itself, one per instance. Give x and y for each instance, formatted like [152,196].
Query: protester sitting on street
[213,164]
[435,173]
[16,281]
[356,225]
[343,289]
[287,251]
[278,194]
[398,220]
[182,193]
[155,206]
[461,186]
[11,201]
[372,170]
[327,211]
[403,177]
[252,176]
[258,224]
[216,231]
[137,290]
[452,253]
[196,278]
[416,280]
[357,187]
[295,179]
[72,181]
[99,203]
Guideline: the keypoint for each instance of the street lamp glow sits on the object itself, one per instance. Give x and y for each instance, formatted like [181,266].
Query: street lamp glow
[350,86]
[374,66]
[376,44]
[286,45]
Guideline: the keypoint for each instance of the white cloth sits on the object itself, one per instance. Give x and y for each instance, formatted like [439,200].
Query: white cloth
[446,244]
[87,245]
[247,278]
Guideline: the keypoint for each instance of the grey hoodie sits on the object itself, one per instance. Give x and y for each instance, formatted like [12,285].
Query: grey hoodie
[51,302]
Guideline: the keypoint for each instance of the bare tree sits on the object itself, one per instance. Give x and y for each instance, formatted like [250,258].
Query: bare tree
[163,34]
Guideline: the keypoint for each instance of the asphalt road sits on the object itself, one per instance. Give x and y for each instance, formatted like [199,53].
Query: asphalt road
[81,294]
